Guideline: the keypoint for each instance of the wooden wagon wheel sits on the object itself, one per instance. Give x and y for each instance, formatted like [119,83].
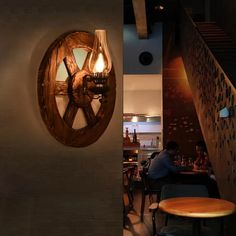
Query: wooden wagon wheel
[61,125]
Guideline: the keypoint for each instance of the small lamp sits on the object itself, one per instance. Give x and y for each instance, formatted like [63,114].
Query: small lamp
[99,65]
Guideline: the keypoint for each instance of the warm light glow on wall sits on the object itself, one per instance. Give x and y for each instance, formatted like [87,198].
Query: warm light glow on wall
[135,119]
[180,73]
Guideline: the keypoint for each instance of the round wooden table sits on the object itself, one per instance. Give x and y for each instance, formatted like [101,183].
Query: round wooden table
[197,208]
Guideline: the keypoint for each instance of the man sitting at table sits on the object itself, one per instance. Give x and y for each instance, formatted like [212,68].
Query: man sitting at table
[161,169]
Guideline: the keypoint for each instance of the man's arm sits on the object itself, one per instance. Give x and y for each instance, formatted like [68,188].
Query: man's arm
[171,167]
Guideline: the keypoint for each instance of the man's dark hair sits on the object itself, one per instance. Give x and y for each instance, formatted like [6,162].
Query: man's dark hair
[172,145]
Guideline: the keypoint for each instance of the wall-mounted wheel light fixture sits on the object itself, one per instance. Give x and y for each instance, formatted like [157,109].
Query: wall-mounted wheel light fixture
[77,88]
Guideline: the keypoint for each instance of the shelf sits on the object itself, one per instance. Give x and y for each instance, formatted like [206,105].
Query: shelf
[130,162]
[146,133]
[150,149]
[142,148]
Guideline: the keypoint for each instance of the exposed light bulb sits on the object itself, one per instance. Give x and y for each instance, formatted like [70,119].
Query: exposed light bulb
[100,60]
[134,119]
[99,64]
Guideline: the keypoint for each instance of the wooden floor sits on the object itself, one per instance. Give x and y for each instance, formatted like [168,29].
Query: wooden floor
[134,227]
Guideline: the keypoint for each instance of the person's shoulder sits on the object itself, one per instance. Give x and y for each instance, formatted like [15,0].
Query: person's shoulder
[162,154]
[164,151]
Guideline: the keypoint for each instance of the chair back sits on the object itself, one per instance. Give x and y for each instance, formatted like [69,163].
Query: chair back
[144,179]
[183,190]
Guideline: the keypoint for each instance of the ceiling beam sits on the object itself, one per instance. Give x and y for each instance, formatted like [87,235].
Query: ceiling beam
[140,18]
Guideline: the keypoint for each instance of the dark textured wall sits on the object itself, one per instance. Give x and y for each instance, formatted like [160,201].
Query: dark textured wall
[47,188]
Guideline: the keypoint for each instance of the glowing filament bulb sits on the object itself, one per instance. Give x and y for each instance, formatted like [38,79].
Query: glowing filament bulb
[100,60]
[99,65]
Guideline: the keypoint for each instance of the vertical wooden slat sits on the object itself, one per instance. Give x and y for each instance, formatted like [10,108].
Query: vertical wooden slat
[140,18]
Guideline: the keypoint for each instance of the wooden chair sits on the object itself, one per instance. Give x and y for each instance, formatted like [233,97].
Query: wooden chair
[153,208]
[183,190]
[147,190]
[128,175]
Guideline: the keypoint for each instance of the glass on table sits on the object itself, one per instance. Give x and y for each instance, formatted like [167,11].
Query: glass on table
[190,162]
[184,161]
[177,160]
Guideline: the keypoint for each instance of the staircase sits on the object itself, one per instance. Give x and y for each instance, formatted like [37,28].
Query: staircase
[221,46]
[209,57]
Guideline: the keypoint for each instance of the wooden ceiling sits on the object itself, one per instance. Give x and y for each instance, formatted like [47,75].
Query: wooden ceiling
[140,18]
[145,13]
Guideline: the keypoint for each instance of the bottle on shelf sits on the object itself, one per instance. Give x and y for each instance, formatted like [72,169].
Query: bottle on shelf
[158,142]
[135,137]
[126,138]
[126,133]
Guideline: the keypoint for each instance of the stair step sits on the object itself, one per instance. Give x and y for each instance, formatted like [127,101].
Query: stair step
[224,58]
[226,50]
[222,54]
[206,25]
[205,22]
[209,27]
[219,46]
[228,67]
[212,36]
[226,54]
[218,41]
[229,64]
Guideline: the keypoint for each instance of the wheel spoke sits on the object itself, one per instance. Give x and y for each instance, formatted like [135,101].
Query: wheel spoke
[70,62]
[70,113]
[86,62]
[61,88]
[89,115]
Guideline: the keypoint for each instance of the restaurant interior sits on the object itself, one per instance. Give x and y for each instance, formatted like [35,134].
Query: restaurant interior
[181,55]
[77,141]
